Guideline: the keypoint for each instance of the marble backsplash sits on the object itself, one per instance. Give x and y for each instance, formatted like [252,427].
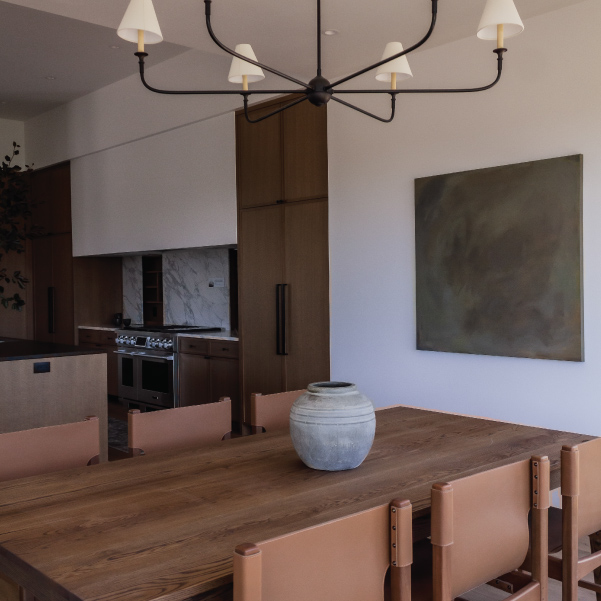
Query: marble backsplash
[189,294]
[132,289]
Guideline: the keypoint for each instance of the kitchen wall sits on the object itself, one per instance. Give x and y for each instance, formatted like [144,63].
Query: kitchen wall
[192,292]
[13,131]
[546,105]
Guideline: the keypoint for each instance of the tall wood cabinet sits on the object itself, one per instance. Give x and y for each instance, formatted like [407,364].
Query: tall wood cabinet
[283,257]
[67,291]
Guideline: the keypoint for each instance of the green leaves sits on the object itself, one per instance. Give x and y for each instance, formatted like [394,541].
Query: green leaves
[15,227]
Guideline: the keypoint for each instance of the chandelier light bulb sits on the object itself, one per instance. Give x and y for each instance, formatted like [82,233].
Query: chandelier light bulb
[140,24]
[395,70]
[500,20]
[243,72]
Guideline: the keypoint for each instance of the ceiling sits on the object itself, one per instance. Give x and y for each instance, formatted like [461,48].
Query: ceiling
[71,39]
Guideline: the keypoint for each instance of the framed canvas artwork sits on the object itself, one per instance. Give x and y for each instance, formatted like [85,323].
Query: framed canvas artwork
[499,260]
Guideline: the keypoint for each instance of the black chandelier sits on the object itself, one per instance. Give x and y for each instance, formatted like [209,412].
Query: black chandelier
[500,20]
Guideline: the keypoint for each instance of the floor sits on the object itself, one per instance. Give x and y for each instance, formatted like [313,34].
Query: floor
[118,448]
[488,593]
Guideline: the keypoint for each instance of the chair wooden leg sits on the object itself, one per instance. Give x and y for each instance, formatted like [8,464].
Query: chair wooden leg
[25,595]
[595,541]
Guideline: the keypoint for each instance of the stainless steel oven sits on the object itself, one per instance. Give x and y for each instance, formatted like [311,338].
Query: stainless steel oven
[148,365]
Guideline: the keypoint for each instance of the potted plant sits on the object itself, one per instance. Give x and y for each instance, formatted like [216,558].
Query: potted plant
[15,227]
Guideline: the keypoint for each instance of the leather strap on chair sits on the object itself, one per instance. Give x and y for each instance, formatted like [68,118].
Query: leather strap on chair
[570,471]
[247,567]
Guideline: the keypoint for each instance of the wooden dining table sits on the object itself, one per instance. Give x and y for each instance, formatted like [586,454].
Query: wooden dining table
[164,526]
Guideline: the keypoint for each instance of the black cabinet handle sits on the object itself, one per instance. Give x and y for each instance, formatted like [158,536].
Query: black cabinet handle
[284,339]
[51,304]
[278,322]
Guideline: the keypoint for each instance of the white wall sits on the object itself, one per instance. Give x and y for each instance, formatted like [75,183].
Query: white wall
[13,131]
[172,190]
[547,105]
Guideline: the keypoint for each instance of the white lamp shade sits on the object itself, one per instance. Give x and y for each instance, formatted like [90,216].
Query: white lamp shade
[400,65]
[140,15]
[499,12]
[240,67]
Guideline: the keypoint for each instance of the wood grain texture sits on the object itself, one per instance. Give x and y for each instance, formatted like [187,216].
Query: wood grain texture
[305,152]
[259,159]
[307,270]
[165,526]
[74,389]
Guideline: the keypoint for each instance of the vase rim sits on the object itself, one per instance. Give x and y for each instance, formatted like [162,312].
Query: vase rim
[341,387]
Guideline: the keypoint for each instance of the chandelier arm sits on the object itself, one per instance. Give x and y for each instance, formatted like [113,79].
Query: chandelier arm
[394,56]
[318,38]
[356,108]
[142,55]
[498,51]
[289,105]
[242,57]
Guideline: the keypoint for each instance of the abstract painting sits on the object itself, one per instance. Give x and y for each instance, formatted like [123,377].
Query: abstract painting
[499,260]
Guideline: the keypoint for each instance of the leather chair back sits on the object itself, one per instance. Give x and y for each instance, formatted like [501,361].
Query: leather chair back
[50,449]
[347,558]
[272,411]
[179,428]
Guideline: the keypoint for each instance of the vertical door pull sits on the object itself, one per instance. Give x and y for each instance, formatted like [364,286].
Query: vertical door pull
[51,305]
[284,339]
[278,306]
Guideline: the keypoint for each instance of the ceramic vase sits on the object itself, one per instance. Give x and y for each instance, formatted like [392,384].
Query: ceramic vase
[332,426]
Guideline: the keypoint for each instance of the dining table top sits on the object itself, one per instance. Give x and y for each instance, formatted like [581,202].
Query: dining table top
[164,526]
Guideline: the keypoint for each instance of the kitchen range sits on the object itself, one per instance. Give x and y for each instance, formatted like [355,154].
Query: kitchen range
[148,365]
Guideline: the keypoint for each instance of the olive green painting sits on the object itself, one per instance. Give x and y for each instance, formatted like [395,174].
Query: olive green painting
[499,261]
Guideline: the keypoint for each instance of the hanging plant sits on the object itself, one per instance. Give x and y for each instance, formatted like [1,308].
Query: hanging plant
[15,227]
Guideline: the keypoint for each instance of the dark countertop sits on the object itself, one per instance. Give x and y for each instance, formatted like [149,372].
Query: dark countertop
[13,349]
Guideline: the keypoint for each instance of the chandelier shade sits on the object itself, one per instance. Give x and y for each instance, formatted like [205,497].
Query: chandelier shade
[140,16]
[241,69]
[399,67]
[500,19]
[500,12]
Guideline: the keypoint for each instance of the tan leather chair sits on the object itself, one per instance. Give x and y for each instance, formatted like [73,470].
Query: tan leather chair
[40,451]
[480,532]
[271,411]
[179,428]
[345,559]
[580,516]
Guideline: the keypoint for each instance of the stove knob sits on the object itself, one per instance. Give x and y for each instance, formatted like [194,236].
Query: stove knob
[118,339]
[131,341]
[161,343]
[168,345]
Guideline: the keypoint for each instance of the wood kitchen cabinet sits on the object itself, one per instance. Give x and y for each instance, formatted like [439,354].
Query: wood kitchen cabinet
[284,158]
[104,340]
[67,291]
[283,253]
[208,370]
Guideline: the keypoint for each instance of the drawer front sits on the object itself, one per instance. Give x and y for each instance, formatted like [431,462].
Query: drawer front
[194,346]
[89,336]
[107,338]
[223,348]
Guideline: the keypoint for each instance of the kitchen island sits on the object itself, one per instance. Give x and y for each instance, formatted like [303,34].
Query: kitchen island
[47,384]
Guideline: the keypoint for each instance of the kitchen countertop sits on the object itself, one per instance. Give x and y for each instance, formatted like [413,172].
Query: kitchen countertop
[13,349]
[223,335]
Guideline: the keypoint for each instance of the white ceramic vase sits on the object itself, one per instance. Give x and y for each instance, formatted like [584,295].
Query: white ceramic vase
[332,426]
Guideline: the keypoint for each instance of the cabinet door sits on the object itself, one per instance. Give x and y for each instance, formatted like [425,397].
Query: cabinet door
[305,152]
[259,159]
[260,255]
[41,283]
[308,294]
[224,376]
[51,192]
[62,280]
[194,387]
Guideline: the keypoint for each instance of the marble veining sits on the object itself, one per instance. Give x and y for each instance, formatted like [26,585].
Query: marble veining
[132,289]
[188,296]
